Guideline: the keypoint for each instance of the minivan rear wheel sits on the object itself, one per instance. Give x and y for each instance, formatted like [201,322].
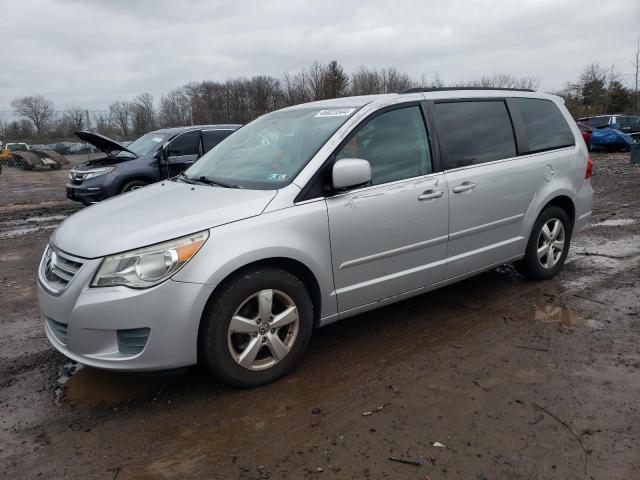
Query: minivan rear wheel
[548,245]
[257,327]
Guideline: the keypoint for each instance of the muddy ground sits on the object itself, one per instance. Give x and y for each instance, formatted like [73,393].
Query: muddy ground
[515,379]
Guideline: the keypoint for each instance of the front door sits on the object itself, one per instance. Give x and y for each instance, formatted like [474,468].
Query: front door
[182,152]
[390,237]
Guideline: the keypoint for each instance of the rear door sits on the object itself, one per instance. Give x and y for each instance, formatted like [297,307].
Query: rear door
[183,151]
[211,138]
[390,237]
[490,190]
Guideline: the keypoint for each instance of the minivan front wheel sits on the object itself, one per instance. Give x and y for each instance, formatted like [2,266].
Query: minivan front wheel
[548,245]
[132,185]
[257,327]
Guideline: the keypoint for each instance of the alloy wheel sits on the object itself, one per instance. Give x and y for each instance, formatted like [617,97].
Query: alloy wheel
[551,243]
[263,329]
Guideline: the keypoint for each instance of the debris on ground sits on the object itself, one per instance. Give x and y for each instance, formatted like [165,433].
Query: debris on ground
[375,410]
[417,463]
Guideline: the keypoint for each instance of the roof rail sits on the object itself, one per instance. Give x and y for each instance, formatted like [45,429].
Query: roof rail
[446,89]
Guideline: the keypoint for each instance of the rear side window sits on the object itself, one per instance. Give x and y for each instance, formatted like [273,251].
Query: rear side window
[475,132]
[394,143]
[545,126]
[185,144]
[211,138]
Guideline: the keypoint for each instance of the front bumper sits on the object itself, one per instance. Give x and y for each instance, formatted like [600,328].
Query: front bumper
[85,195]
[88,325]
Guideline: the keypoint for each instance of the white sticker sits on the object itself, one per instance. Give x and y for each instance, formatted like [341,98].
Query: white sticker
[278,176]
[335,112]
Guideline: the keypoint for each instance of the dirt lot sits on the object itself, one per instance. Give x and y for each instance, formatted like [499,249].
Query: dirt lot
[515,379]
[19,187]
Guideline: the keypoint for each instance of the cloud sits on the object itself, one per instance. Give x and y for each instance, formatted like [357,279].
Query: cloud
[93,52]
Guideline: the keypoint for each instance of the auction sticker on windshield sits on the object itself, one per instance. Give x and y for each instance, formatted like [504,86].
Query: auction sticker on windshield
[335,112]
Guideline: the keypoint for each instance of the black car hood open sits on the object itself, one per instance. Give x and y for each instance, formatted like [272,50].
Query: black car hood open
[102,143]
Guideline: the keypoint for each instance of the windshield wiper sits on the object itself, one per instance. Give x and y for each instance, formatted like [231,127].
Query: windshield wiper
[220,183]
[185,178]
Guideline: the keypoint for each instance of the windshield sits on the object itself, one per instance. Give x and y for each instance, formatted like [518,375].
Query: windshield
[270,151]
[627,121]
[145,144]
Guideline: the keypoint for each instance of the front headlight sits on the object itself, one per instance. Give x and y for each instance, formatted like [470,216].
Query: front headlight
[146,267]
[87,174]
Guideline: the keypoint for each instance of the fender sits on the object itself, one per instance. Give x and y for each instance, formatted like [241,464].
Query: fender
[235,245]
[541,199]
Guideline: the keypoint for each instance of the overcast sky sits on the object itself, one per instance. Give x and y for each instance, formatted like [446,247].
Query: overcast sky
[93,52]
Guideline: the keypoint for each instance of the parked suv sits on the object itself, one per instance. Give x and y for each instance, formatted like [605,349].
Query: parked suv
[153,157]
[309,215]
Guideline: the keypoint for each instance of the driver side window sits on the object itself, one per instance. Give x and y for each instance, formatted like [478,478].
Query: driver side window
[394,143]
[185,144]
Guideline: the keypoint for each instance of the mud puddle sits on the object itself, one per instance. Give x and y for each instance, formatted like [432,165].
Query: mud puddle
[557,314]
[617,222]
[85,387]
[25,226]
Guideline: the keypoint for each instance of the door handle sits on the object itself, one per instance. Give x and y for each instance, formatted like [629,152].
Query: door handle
[430,194]
[464,187]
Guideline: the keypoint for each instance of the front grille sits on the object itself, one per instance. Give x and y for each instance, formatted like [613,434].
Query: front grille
[58,269]
[59,330]
[133,340]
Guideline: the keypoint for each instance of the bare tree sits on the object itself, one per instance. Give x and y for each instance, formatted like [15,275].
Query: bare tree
[434,82]
[394,81]
[295,87]
[103,121]
[36,108]
[503,80]
[143,114]
[263,94]
[316,75]
[365,81]
[120,113]
[175,109]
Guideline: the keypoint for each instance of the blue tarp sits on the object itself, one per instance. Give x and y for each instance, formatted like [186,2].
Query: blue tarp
[609,137]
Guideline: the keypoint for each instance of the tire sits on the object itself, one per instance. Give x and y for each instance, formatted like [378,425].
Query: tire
[222,351]
[132,185]
[546,265]
[56,166]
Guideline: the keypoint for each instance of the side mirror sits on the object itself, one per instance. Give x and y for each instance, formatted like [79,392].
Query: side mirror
[350,172]
[161,153]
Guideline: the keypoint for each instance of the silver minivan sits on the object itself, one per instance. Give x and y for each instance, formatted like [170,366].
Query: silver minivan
[309,215]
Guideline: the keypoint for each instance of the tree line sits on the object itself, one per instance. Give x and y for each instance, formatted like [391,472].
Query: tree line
[597,90]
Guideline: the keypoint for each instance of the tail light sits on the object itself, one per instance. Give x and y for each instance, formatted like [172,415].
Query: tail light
[589,168]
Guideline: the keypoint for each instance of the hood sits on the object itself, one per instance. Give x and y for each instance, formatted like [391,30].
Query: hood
[100,162]
[102,143]
[153,214]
